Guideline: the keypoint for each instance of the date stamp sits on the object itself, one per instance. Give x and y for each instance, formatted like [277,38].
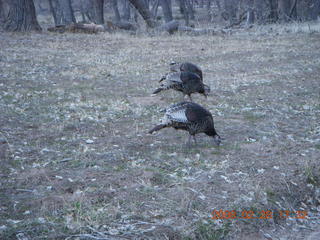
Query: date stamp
[264,214]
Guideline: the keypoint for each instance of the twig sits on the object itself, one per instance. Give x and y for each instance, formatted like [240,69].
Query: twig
[6,139]
[25,190]
[87,236]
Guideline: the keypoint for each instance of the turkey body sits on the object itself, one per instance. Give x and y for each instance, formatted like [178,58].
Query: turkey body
[190,117]
[185,82]
[186,67]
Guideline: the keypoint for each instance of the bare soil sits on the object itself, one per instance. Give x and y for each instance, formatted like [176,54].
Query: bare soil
[77,162]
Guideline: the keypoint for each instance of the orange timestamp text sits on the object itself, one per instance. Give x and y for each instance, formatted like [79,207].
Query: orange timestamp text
[264,214]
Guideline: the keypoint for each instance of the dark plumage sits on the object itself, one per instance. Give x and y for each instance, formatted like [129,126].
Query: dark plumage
[190,117]
[185,82]
[186,67]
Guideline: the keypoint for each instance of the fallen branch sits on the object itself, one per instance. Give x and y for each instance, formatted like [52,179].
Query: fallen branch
[125,25]
[78,28]
[196,31]
[169,27]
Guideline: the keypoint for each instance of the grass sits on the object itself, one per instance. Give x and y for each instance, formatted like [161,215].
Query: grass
[76,109]
[209,231]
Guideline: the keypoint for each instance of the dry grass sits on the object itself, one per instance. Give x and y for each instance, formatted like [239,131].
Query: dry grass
[75,110]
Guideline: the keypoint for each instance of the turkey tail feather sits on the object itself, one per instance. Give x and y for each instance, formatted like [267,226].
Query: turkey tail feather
[157,90]
[163,78]
[157,128]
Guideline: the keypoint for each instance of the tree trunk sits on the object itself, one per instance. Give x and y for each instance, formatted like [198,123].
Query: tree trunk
[126,10]
[250,17]
[250,13]
[314,10]
[144,12]
[66,8]
[184,11]
[97,11]
[284,10]
[116,10]
[2,13]
[230,7]
[273,16]
[62,12]
[258,8]
[190,9]
[21,16]
[166,9]
[154,9]
[293,14]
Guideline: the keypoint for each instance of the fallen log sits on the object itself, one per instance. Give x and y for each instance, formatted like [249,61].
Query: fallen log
[125,25]
[169,27]
[196,31]
[78,28]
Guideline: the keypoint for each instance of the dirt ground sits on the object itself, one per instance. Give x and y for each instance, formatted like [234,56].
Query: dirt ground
[77,162]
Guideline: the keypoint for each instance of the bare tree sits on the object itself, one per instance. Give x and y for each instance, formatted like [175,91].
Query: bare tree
[126,10]
[144,11]
[116,10]
[154,9]
[62,12]
[258,9]
[166,9]
[273,16]
[19,15]
[184,11]
[250,13]
[97,11]
[230,8]
[190,8]
[284,10]
[2,13]
[312,9]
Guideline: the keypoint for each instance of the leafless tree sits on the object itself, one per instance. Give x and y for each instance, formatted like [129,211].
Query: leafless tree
[166,9]
[19,15]
[154,9]
[144,11]
[62,12]
[126,12]
[284,10]
[116,10]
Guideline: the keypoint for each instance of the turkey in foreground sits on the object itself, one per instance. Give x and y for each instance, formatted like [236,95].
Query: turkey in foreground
[186,67]
[185,82]
[190,117]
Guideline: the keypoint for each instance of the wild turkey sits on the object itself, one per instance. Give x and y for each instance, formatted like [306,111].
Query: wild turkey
[185,82]
[186,67]
[191,117]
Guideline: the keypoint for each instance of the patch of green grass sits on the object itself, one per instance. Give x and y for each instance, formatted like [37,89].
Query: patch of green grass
[159,179]
[312,174]
[271,196]
[317,146]
[209,231]
[252,117]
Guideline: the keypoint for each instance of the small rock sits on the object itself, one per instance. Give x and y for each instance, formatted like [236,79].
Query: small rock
[27,212]
[2,140]
[89,141]
[113,231]
[249,139]
[3,227]
[41,220]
